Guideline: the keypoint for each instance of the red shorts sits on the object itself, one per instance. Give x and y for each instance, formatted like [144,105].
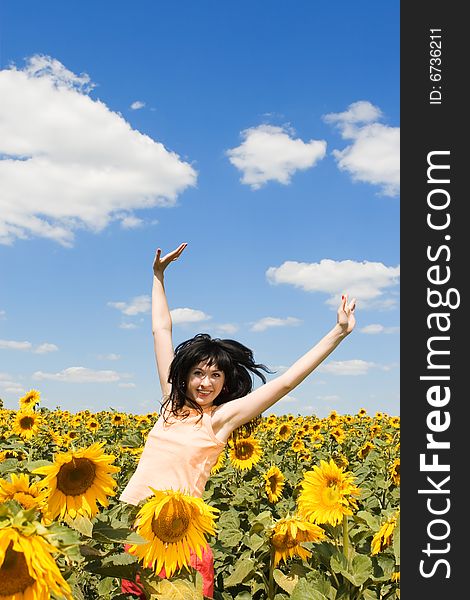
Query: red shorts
[204,565]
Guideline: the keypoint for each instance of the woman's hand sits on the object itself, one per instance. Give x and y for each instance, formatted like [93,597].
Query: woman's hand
[160,262]
[346,318]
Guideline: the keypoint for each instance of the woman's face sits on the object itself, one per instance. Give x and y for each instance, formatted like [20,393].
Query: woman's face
[205,382]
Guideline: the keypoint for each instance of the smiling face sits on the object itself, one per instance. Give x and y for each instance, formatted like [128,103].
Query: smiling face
[205,382]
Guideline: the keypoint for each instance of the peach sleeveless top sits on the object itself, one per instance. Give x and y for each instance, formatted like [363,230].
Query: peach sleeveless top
[178,455]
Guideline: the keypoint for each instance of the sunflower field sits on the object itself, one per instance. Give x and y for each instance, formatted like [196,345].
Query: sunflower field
[304,508]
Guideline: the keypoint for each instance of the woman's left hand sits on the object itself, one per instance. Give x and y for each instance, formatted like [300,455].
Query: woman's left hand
[346,318]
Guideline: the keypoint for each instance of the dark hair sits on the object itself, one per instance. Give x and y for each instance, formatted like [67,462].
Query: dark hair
[234,359]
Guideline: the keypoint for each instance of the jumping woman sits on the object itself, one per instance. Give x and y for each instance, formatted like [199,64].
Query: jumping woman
[207,391]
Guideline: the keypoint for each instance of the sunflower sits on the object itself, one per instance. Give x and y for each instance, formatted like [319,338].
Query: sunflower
[338,434]
[298,445]
[68,437]
[30,399]
[284,431]
[333,418]
[218,465]
[245,453]
[341,460]
[77,480]
[271,421]
[375,430]
[384,536]
[327,494]
[287,535]
[92,425]
[28,570]
[6,454]
[365,449]
[394,471]
[28,494]
[26,423]
[316,427]
[274,483]
[118,419]
[305,456]
[394,422]
[173,524]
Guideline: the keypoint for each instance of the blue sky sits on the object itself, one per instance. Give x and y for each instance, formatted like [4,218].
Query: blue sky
[263,134]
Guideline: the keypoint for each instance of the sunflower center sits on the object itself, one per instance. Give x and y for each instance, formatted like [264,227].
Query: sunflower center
[14,573]
[172,523]
[273,483]
[331,495]
[75,477]
[283,541]
[26,422]
[244,450]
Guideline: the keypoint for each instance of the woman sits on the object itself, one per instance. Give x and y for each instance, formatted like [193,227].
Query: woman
[207,395]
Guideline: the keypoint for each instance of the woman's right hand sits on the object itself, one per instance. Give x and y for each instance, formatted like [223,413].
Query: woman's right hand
[160,262]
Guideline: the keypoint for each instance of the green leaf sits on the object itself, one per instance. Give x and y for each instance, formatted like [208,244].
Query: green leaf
[35,464]
[243,569]
[229,520]
[338,563]
[123,535]
[396,541]
[368,595]
[286,582]
[361,569]
[230,537]
[105,586]
[81,524]
[357,572]
[372,521]
[176,589]
[123,558]
[255,542]
[306,591]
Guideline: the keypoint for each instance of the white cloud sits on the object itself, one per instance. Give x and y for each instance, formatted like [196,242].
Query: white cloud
[3,315]
[111,356]
[45,348]
[14,345]
[28,346]
[267,322]
[375,328]
[374,155]
[9,385]
[188,315]
[330,398]
[346,367]
[127,326]
[69,162]
[126,385]
[226,328]
[137,104]
[131,222]
[81,375]
[138,305]
[364,281]
[288,399]
[272,153]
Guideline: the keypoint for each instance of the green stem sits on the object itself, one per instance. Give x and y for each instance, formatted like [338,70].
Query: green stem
[345,536]
[271,576]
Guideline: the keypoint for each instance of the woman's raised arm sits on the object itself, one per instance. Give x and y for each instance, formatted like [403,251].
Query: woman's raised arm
[238,412]
[161,318]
